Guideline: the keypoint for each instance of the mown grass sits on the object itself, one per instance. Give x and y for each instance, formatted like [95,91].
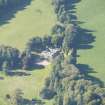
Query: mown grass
[92,13]
[30,85]
[36,19]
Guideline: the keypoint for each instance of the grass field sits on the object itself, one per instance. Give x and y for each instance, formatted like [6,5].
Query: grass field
[36,19]
[30,85]
[92,13]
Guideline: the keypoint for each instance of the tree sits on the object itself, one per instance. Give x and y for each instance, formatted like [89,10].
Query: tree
[5,66]
[57,4]
[26,62]
[69,39]
[35,44]
[72,59]
[47,94]
[9,55]
[47,41]
[58,30]
[57,41]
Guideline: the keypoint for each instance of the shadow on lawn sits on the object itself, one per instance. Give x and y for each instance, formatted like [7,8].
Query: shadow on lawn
[18,73]
[8,11]
[34,63]
[84,37]
[83,40]
[1,78]
[31,102]
[86,70]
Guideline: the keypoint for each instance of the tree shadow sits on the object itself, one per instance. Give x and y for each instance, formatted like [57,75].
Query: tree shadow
[18,73]
[31,102]
[1,78]
[84,39]
[86,70]
[36,67]
[70,4]
[34,63]
[8,11]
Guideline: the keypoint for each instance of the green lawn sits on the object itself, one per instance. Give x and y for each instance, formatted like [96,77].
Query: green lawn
[36,20]
[92,12]
[30,85]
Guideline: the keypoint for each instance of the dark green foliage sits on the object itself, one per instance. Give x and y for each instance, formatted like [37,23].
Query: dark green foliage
[57,41]
[57,36]
[35,44]
[39,44]
[57,4]
[46,41]
[65,27]
[64,17]
[26,62]
[5,66]
[69,39]
[9,58]
[72,88]
[66,83]
[5,3]
[47,94]
[72,59]
[58,30]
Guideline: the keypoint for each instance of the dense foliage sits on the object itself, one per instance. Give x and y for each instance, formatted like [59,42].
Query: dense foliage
[39,44]
[71,86]
[68,85]
[9,58]
[4,3]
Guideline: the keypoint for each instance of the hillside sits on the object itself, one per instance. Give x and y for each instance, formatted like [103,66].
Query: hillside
[91,13]
[34,20]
